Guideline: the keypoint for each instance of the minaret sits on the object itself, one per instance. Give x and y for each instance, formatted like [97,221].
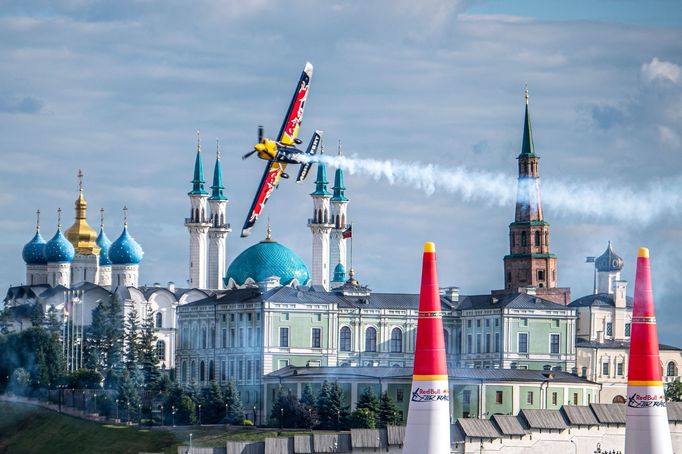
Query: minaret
[339,206]
[85,265]
[34,257]
[197,224]
[59,253]
[320,226]
[529,263]
[219,229]
[104,261]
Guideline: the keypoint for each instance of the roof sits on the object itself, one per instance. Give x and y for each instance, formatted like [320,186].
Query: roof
[612,344]
[527,147]
[609,261]
[464,374]
[478,428]
[609,413]
[512,301]
[267,259]
[509,425]
[232,297]
[579,415]
[600,300]
[544,419]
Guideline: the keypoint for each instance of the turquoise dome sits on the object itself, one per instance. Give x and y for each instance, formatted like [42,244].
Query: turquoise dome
[104,244]
[339,273]
[34,251]
[125,250]
[267,259]
[59,249]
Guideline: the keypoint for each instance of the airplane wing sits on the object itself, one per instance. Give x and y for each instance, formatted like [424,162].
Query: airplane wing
[292,120]
[273,172]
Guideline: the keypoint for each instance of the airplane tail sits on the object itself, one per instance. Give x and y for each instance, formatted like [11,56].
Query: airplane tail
[310,151]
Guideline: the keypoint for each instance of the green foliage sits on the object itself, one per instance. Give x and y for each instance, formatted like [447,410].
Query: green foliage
[331,412]
[128,395]
[308,397]
[52,323]
[37,314]
[147,350]
[85,379]
[368,400]
[36,351]
[213,410]
[235,410]
[185,408]
[131,340]
[5,321]
[104,342]
[20,381]
[363,418]
[673,391]
[248,422]
[288,411]
[389,413]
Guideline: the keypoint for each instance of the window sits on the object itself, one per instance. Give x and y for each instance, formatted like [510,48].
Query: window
[487,322]
[223,370]
[619,369]
[469,343]
[282,363]
[224,318]
[249,336]
[370,339]
[537,238]
[184,371]
[193,370]
[316,341]
[554,344]
[240,369]
[547,367]
[250,316]
[627,329]
[396,340]
[575,398]
[211,370]
[478,323]
[345,339]
[584,372]
[478,343]
[672,369]
[223,338]
[317,317]
[609,329]
[529,398]
[523,342]
[446,340]
[524,239]
[555,322]
[487,343]
[469,323]
[202,371]
[241,317]
[399,395]
[242,341]
[284,337]
[232,369]
[541,275]
[554,398]
[497,322]
[497,342]
[231,317]
[605,369]
[158,320]
[204,337]
[248,369]
[232,338]
[498,397]
[466,402]
[524,322]
[258,316]
[161,350]
[285,316]
[257,336]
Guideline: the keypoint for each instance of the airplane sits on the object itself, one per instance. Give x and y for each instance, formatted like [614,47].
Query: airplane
[283,151]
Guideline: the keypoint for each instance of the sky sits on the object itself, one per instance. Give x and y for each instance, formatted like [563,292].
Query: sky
[119,89]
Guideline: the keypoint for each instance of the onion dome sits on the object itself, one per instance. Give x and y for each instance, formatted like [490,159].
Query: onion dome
[59,249]
[104,245]
[34,251]
[125,250]
[267,259]
[609,261]
[80,234]
[339,273]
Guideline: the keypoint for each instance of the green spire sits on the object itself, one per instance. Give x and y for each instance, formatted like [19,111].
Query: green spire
[217,186]
[339,187]
[321,181]
[198,181]
[527,147]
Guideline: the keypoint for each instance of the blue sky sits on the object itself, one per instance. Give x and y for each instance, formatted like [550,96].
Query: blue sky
[119,89]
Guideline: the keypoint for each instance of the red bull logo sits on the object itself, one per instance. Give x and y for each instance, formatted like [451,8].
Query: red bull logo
[430,394]
[297,110]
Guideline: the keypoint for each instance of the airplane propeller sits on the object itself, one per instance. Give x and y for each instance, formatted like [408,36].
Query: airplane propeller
[260,139]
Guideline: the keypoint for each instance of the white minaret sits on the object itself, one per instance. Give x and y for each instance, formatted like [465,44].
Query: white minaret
[59,253]
[219,229]
[197,224]
[339,207]
[320,226]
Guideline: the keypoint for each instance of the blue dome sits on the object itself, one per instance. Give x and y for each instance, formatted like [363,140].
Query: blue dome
[59,249]
[339,273]
[34,251]
[267,259]
[125,250]
[104,244]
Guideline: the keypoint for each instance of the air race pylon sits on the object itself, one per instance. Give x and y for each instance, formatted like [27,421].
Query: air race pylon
[646,426]
[428,419]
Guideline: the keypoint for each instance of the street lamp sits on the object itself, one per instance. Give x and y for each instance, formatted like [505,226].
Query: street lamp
[95,401]
[281,418]
[84,408]
[139,414]
[254,415]
[190,443]
[173,408]
[199,414]
[116,409]
[162,414]
[226,420]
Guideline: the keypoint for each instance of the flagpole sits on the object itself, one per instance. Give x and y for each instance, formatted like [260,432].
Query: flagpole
[351,245]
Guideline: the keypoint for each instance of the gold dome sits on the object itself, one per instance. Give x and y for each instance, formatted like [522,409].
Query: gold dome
[80,234]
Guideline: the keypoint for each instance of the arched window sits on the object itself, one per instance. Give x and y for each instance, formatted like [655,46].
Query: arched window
[546,239]
[537,238]
[672,369]
[202,371]
[446,339]
[370,339]
[204,337]
[184,371]
[344,343]
[618,400]
[195,337]
[159,320]
[161,350]
[211,370]
[396,340]
[193,370]
[196,215]
[524,239]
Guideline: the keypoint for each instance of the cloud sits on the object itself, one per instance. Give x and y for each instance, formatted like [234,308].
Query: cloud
[657,69]
[21,104]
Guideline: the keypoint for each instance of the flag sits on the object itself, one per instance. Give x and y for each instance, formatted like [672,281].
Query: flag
[348,233]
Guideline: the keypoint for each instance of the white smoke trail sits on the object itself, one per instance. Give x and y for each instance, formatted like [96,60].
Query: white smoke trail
[588,200]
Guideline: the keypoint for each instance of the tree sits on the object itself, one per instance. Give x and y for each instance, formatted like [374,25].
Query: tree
[128,396]
[363,418]
[185,408]
[214,405]
[308,397]
[288,411]
[331,412]
[85,379]
[131,339]
[235,410]
[106,336]
[389,413]
[369,400]
[147,351]
[37,314]
[6,320]
[20,380]
[673,391]
[36,351]
[52,323]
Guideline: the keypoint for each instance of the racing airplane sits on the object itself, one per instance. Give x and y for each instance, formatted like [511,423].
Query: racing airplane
[283,151]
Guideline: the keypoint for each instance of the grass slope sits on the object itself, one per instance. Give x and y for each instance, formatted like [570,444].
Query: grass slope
[30,429]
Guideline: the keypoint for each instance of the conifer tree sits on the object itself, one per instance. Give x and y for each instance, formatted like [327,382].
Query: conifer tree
[363,418]
[308,397]
[331,412]
[149,359]
[128,396]
[106,335]
[214,405]
[389,413]
[235,410]
[131,338]
[369,400]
